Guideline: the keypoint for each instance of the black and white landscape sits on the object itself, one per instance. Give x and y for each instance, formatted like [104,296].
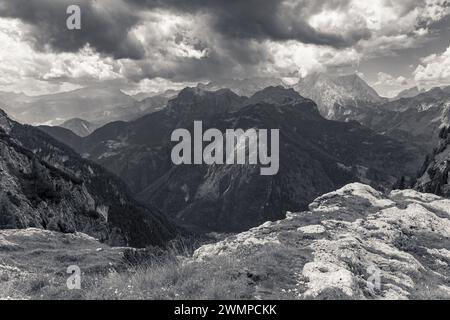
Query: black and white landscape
[93,206]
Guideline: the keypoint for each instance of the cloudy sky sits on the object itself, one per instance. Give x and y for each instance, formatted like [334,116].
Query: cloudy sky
[147,45]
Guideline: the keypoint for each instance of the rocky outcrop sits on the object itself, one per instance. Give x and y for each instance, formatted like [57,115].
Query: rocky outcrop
[45,184]
[354,243]
[434,175]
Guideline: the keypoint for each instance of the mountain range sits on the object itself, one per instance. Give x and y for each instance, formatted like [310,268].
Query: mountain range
[317,156]
[242,87]
[416,120]
[322,146]
[97,105]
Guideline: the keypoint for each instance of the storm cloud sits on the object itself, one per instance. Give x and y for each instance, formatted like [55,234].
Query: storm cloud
[260,20]
[105,25]
[189,41]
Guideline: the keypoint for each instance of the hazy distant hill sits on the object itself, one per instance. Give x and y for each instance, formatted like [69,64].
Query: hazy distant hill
[97,105]
[242,87]
[92,104]
[79,126]
[144,95]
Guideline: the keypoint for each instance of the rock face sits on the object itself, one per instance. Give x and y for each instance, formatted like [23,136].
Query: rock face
[316,156]
[45,184]
[337,96]
[434,176]
[354,243]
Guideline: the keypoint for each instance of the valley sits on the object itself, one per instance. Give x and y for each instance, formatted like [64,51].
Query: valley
[316,156]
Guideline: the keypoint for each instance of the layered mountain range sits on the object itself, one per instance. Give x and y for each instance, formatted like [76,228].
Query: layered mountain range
[97,105]
[416,120]
[45,184]
[317,156]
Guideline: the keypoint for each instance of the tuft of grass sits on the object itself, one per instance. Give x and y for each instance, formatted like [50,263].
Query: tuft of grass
[174,275]
[268,271]
[171,275]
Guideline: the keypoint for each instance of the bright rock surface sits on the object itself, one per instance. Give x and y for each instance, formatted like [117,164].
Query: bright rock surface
[354,243]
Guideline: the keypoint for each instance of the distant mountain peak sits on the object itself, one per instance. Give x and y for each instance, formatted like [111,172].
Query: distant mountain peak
[198,101]
[79,126]
[277,95]
[335,95]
